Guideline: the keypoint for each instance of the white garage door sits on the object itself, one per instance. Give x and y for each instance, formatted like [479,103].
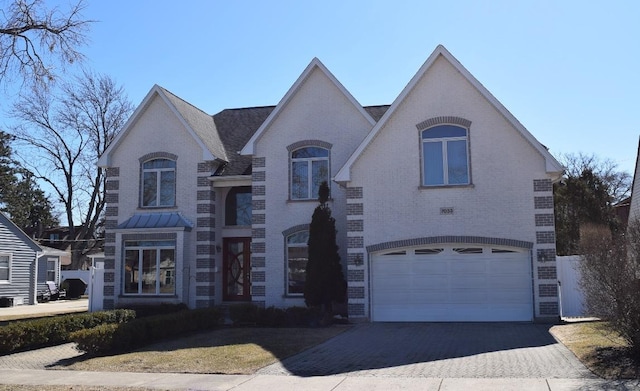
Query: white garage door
[455,283]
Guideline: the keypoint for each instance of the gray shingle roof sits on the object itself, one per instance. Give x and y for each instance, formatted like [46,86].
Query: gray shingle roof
[227,132]
[236,126]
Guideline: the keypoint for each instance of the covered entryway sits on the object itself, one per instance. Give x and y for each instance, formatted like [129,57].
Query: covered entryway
[453,282]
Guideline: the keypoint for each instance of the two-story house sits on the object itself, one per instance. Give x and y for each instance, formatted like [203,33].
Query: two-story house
[442,200]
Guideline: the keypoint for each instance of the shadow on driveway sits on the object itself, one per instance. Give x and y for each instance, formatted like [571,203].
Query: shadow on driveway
[446,350]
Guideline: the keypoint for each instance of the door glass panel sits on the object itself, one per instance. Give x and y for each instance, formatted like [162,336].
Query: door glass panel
[235,269]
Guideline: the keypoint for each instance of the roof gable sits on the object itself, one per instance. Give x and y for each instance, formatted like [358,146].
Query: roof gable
[552,165]
[314,65]
[10,225]
[198,124]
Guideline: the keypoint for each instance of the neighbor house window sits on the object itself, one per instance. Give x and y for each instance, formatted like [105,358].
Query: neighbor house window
[5,268]
[150,267]
[309,168]
[445,156]
[297,258]
[159,183]
[238,206]
[51,269]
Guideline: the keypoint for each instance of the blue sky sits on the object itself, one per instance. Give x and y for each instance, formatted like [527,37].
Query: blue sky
[568,70]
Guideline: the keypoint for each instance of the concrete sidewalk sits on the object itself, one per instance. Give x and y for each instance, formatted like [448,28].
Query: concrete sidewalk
[44,309]
[175,381]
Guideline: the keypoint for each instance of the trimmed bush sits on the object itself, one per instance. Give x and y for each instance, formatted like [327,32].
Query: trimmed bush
[244,314]
[34,333]
[144,310]
[143,331]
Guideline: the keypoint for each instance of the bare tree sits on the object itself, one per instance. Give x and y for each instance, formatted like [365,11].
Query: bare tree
[618,182]
[34,39]
[610,278]
[67,132]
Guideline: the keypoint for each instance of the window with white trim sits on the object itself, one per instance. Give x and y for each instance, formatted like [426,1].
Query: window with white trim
[5,268]
[158,188]
[149,267]
[52,269]
[297,258]
[309,168]
[445,156]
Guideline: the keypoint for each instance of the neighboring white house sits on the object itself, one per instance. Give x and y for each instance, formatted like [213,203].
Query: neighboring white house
[443,201]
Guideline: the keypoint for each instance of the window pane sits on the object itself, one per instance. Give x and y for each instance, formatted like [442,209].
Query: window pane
[444,131]
[309,152]
[149,189]
[297,257]
[301,237]
[243,208]
[159,163]
[320,174]
[4,261]
[167,271]
[433,163]
[299,180]
[457,161]
[149,271]
[167,188]
[4,274]
[131,271]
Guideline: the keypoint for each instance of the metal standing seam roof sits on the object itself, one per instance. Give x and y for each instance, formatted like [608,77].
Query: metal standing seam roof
[156,220]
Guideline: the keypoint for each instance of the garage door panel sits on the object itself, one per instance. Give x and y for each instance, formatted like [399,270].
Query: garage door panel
[452,287]
[430,266]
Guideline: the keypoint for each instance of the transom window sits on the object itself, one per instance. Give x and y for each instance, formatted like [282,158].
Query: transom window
[159,183]
[297,258]
[238,206]
[5,267]
[150,267]
[309,168]
[445,156]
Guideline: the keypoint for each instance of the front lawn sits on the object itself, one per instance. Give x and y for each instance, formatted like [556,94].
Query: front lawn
[222,351]
[600,349]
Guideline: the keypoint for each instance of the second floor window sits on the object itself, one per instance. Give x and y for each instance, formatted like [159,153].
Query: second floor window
[445,156]
[159,183]
[309,168]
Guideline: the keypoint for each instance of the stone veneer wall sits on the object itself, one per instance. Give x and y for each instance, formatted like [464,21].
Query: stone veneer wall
[205,238]
[258,221]
[112,192]
[545,256]
[356,255]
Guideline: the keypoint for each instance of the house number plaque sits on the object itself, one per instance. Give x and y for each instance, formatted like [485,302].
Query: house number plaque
[446,211]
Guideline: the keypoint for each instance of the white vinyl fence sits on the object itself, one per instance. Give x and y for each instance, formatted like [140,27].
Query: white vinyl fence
[571,296]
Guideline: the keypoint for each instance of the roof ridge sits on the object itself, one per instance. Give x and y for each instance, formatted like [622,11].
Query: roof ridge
[183,100]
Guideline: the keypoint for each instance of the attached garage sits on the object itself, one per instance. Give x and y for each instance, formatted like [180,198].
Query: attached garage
[452,283]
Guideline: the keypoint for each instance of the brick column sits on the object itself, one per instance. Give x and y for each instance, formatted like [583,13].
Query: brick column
[545,272]
[112,198]
[258,228]
[205,238]
[356,254]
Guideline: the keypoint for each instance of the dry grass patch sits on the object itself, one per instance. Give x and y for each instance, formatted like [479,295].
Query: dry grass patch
[223,351]
[599,349]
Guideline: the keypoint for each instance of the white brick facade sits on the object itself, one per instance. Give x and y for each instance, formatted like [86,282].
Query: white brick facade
[377,198]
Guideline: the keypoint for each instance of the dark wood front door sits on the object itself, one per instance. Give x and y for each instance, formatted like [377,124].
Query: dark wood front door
[236,268]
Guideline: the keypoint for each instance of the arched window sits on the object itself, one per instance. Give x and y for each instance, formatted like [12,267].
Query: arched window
[309,168]
[158,183]
[445,156]
[297,258]
[238,206]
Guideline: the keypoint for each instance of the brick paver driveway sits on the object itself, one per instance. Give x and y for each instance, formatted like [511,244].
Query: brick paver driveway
[445,350]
